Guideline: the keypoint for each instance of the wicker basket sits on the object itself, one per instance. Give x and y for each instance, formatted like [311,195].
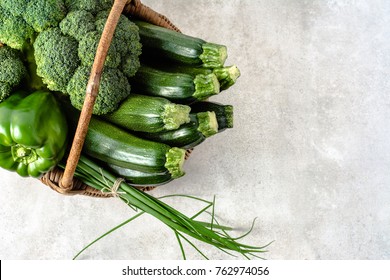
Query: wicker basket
[63,181]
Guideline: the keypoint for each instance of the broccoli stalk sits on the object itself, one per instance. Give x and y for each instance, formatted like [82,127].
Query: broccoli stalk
[34,82]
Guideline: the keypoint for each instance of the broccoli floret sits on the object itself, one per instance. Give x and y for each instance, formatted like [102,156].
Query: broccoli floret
[126,36]
[92,6]
[56,57]
[64,36]
[14,31]
[87,50]
[12,71]
[126,40]
[114,87]
[15,7]
[60,51]
[42,14]
[103,14]
[130,65]
[5,91]
[20,20]
[77,24]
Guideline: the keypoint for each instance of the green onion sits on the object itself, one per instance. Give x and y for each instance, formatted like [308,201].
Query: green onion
[183,226]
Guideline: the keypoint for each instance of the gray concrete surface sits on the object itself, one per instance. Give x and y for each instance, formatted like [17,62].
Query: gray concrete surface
[309,155]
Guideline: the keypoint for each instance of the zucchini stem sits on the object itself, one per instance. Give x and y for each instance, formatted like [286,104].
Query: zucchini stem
[213,55]
[206,86]
[227,76]
[208,124]
[175,115]
[174,162]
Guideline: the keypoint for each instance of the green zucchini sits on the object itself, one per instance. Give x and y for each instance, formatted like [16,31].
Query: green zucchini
[177,87]
[139,178]
[227,75]
[149,114]
[110,144]
[223,112]
[163,43]
[187,136]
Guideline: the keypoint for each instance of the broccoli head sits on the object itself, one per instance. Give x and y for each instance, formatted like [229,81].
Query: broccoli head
[64,56]
[87,50]
[20,20]
[77,24]
[56,58]
[126,36]
[14,30]
[12,71]
[92,6]
[113,88]
[15,7]
[64,36]
[126,41]
[42,14]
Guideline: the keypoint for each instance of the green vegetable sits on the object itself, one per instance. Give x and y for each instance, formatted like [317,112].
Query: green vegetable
[187,136]
[149,114]
[91,6]
[59,39]
[208,124]
[223,112]
[33,133]
[177,87]
[164,43]
[43,14]
[113,145]
[20,20]
[139,178]
[113,88]
[57,59]
[12,71]
[227,75]
[14,31]
[184,227]
[65,36]
[33,81]
[64,57]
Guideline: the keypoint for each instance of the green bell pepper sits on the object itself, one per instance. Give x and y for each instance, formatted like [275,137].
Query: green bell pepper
[33,133]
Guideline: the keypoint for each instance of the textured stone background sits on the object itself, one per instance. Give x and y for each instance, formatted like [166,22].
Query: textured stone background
[309,154]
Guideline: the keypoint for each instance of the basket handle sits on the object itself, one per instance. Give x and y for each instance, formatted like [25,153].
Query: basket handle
[91,93]
[143,12]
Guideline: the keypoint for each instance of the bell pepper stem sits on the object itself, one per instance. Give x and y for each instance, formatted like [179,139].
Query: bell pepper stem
[23,154]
